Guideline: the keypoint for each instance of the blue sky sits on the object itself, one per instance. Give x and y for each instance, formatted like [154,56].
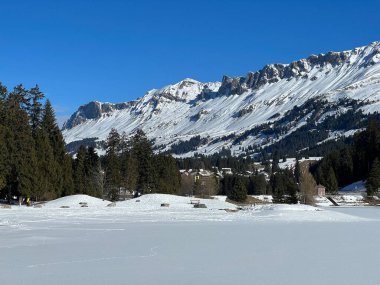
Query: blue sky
[115,51]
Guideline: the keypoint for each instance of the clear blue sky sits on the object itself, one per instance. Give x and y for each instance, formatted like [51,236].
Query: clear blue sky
[115,51]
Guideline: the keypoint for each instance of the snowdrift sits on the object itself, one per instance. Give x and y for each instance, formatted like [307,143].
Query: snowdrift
[76,201]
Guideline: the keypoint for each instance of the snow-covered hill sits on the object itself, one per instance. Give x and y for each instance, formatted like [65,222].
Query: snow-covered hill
[238,112]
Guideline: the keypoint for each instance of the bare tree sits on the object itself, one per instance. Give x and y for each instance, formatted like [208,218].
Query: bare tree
[307,185]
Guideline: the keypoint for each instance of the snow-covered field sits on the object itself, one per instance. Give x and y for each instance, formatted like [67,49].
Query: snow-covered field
[144,243]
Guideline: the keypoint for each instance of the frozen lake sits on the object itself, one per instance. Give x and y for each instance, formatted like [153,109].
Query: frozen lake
[117,246]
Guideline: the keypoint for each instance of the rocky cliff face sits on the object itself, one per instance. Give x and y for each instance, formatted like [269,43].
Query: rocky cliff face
[241,109]
[273,73]
[92,111]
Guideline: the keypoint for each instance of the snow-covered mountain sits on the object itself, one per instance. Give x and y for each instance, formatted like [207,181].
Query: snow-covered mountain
[260,109]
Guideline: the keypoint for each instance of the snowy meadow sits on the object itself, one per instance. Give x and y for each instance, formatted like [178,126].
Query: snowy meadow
[144,243]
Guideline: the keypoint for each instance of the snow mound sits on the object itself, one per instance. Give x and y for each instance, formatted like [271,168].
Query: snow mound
[297,213]
[287,207]
[75,200]
[154,201]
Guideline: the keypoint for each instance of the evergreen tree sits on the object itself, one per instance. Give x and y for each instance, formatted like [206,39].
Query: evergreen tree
[278,184]
[259,184]
[168,178]
[291,190]
[112,181]
[46,173]
[373,181]
[275,161]
[239,190]
[94,179]
[20,147]
[34,107]
[80,171]
[142,152]
[331,182]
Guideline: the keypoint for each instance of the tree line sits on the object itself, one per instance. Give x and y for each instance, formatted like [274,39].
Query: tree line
[130,164]
[358,161]
[33,161]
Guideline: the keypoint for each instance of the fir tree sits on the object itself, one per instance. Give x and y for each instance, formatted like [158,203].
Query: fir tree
[20,147]
[373,181]
[331,182]
[63,181]
[112,181]
[80,171]
[46,173]
[34,107]
[94,179]
[168,178]
[239,190]
[142,152]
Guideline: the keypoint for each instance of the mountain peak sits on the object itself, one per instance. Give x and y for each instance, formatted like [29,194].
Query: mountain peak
[189,108]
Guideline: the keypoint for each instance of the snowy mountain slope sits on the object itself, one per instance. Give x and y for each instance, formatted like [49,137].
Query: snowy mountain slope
[236,112]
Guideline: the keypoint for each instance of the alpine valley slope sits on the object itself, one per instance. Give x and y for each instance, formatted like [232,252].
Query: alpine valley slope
[257,110]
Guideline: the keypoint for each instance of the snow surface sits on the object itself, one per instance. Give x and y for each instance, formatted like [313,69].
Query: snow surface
[142,243]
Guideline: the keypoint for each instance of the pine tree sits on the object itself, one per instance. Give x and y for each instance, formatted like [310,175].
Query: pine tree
[373,181]
[34,107]
[331,182]
[275,161]
[278,184]
[291,190]
[20,146]
[142,152]
[239,190]
[94,179]
[112,181]
[168,178]
[80,171]
[47,167]
[64,182]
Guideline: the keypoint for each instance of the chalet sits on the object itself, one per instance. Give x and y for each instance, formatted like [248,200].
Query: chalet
[320,190]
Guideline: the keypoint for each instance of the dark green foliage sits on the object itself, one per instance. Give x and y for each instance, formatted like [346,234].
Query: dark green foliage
[258,185]
[278,184]
[80,171]
[167,177]
[352,163]
[34,107]
[20,146]
[331,182]
[48,167]
[33,162]
[284,187]
[112,182]
[373,181]
[238,192]
[187,146]
[223,159]
[131,164]
[292,192]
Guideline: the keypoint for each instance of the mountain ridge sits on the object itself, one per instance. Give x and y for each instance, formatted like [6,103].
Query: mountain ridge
[214,110]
